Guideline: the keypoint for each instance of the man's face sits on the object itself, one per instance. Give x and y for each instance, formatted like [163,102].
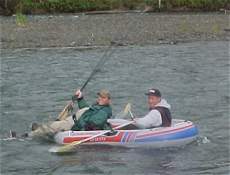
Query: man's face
[103,100]
[153,100]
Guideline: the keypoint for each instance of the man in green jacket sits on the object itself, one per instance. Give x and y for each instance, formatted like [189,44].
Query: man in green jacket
[86,118]
[95,116]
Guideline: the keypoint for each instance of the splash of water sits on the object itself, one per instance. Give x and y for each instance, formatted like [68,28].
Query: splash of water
[203,140]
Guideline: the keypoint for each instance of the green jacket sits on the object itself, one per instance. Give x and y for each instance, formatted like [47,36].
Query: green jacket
[95,118]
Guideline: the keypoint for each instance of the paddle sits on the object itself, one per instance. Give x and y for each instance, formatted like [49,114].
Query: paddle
[71,146]
[69,107]
[100,63]
[130,112]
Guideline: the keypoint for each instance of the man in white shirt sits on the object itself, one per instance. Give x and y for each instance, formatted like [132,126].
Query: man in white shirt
[159,112]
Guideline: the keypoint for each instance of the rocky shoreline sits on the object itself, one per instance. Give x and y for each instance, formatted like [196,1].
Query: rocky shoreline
[87,30]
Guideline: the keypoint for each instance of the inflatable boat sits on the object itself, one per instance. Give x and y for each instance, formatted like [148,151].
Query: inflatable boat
[180,133]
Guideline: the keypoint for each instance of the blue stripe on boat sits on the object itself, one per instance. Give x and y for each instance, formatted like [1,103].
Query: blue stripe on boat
[172,136]
[124,137]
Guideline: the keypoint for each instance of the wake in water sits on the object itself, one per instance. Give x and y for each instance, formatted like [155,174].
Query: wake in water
[202,140]
[11,136]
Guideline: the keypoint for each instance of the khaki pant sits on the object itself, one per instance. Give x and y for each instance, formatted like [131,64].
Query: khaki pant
[56,126]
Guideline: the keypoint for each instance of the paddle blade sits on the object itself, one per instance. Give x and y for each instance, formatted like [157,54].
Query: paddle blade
[126,110]
[65,112]
[65,149]
[54,149]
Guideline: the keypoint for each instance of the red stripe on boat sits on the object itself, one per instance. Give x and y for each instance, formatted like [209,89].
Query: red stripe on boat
[116,138]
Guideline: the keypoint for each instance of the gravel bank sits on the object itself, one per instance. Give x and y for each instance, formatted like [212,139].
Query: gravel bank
[77,30]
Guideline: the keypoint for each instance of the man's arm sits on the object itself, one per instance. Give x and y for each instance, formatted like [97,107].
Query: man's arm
[82,103]
[152,119]
[80,100]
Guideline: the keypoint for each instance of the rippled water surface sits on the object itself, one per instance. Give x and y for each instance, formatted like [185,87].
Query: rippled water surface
[194,77]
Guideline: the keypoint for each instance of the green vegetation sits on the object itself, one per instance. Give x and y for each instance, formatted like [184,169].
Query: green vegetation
[71,6]
[30,6]
[21,19]
[205,5]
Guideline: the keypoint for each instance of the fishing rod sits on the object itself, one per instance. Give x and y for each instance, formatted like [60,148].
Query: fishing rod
[96,69]
[69,107]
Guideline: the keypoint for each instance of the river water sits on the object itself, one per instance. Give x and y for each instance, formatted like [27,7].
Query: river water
[194,77]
